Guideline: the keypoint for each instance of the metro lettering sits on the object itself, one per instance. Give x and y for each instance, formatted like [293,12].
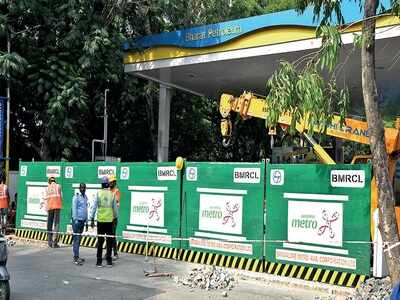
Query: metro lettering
[304,223]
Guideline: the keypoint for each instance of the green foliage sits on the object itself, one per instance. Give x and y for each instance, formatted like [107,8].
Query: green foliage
[306,95]
[66,53]
[358,40]
[323,10]
[73,53]
[278,5]
[395,7]
[3,24]
[301,89]
[11,65]
[331,45]
[178,14]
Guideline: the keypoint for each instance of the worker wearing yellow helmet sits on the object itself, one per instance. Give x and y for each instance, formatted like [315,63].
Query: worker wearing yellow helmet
[115,190]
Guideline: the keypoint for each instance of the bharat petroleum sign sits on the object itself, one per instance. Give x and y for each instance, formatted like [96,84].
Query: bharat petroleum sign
[213,33]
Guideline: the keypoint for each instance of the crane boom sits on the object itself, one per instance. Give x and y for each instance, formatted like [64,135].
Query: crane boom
[248,105]
[352,130]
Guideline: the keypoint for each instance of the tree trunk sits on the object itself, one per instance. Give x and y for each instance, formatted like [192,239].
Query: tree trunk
[387,218]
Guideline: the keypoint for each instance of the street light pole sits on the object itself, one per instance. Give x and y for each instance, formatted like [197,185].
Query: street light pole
[105,123]
[8,116]
[105,128]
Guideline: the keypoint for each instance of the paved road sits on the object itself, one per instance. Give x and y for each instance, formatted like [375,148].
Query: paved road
[42,273]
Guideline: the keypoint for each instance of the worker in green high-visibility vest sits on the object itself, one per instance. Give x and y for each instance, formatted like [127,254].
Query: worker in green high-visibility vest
[106,208]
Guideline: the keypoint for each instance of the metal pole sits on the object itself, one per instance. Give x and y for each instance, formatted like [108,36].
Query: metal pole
[8,116]
[93,142]
[105,123]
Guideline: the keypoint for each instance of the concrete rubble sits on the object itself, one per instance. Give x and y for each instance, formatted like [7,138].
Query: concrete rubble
[11,243]
[208,278]
[330,297]
[373,289]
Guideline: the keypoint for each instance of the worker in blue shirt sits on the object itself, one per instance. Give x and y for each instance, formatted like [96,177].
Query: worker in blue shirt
[79,219]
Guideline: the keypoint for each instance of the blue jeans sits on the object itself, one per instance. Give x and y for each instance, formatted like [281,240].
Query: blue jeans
[77,227]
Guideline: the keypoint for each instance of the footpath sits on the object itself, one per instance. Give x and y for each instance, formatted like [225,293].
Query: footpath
[39,272]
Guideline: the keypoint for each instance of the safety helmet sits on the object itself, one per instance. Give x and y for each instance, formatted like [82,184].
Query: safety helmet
[112,178]
[104,180]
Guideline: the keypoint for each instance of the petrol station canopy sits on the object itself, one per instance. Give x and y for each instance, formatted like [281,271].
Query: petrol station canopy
[242,54]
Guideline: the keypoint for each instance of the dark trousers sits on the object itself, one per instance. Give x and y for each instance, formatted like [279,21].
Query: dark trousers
[53,224]
[104,228]
[115,224]
[77,227]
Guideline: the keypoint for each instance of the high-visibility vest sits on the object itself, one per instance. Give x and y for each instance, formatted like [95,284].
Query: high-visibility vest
[53,196]
[117,195]
[105,212]
[3,196]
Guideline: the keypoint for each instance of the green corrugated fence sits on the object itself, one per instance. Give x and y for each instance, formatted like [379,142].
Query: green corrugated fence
[305,221]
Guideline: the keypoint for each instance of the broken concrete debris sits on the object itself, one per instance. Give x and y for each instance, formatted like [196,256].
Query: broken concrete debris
[373,289]
[208,278]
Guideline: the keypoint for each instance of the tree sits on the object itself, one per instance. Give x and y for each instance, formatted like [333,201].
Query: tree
[387,217]
[65,54]
[301,89]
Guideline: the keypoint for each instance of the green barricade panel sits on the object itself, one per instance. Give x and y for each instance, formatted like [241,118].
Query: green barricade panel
[32,182]
[89,173]
[319,215]
[223,208]
[151,209]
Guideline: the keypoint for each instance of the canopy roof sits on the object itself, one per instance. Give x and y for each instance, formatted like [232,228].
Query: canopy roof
[242,54]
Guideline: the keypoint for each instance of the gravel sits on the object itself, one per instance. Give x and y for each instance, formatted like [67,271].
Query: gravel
[373,289]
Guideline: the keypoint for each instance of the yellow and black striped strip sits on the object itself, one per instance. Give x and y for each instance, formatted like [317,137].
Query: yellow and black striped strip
[249,264]
[315,274]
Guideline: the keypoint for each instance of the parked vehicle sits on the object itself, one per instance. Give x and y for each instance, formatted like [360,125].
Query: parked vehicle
[4,275]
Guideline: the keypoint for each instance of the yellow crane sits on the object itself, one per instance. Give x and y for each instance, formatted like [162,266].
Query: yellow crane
[248,105]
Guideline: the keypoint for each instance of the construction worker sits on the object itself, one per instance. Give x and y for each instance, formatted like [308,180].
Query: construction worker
[79,219]
[53,204]
[106,208]
[4,202]
[114,189]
